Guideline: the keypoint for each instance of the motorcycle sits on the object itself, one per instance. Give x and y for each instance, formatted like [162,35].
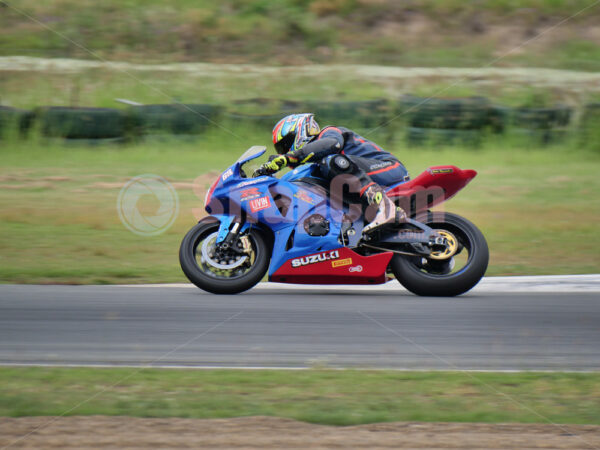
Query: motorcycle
[294,228]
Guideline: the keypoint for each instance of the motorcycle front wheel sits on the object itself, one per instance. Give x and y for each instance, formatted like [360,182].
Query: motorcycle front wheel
[218,271]
[445,273]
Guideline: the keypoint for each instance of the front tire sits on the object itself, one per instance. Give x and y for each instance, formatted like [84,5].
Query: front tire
[439,278]
[222,274]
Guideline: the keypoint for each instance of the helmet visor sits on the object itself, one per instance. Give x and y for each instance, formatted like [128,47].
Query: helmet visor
[285,144]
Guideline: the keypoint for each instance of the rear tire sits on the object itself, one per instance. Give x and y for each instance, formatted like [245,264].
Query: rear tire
[218,280]
[413,274]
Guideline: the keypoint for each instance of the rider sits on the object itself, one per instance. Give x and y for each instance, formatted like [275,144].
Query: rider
[299,140]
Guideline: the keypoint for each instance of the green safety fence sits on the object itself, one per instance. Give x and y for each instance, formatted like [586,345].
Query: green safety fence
[420,119]
[589,128]
[82,123]
[542,118]
[14,120]
[258,113]
[541,125]
[443,121]
[591,115]
[177,119]
[262,122]
[466,120]
[265,113]
[470,113]
[360,114]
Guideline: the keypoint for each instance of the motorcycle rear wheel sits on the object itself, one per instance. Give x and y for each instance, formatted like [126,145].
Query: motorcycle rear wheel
[438,278]
[222,275]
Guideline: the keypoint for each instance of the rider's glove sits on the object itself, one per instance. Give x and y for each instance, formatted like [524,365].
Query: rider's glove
[274,165]
[277,163]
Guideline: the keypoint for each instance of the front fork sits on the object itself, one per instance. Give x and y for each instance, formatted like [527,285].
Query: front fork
[230,229]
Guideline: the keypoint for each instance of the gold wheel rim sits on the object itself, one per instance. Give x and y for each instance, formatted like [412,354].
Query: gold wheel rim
[450,250]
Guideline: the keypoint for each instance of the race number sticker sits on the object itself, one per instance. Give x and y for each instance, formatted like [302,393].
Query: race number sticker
[227,174]
[259,204]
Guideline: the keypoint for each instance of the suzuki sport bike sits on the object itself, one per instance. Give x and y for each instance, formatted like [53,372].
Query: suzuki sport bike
[294,228]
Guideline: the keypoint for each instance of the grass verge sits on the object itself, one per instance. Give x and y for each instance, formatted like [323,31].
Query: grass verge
[345,397]
[71,83]
[304,31]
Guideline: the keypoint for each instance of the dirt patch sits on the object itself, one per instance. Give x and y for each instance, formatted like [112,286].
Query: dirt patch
[107,185]
[184,185]
[272,432]
[13,178]
[57,178]
[519,75]
[199,184]
[28,185]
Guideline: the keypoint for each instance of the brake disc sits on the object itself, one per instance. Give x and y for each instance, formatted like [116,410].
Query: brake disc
[209,255]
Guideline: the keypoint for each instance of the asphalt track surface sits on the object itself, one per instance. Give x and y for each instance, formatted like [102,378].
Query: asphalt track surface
[491,328]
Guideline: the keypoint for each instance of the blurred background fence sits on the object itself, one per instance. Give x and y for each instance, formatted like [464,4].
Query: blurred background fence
[418,120]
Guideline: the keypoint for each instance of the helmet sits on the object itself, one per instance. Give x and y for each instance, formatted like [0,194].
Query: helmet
[294,131]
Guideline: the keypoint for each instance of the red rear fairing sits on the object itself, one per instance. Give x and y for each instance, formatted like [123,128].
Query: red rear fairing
[434,186]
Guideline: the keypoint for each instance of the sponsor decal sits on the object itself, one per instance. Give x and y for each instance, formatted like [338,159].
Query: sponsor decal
[249,194]
[305,197]
[437,171]
[341,262]
[313,259]
[259,204]
[253,181]
[227,174]
[380,165]
[358,268]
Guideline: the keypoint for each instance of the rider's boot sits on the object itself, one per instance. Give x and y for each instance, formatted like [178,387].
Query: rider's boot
[379,209]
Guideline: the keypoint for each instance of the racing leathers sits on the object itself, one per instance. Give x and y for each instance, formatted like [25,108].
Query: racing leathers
[340,151]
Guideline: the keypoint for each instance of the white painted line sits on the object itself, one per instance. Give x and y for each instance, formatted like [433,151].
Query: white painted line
[543,283]
[518,284]
[225,367]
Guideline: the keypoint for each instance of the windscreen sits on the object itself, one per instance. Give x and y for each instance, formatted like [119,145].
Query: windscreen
[252,152]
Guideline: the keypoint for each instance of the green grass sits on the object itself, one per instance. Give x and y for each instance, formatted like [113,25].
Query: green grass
[100,88]
[300,31]
[538,207]
[226,86]
[319,396]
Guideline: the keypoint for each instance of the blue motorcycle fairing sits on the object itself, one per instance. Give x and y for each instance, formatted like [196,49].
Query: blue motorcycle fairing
[233,173]
[278,204]
[304,171]
[303,243]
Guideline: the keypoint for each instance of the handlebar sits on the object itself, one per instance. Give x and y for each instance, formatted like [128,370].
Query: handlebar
[261,171]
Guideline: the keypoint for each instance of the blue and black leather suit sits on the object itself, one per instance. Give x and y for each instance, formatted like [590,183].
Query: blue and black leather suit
[367,161]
